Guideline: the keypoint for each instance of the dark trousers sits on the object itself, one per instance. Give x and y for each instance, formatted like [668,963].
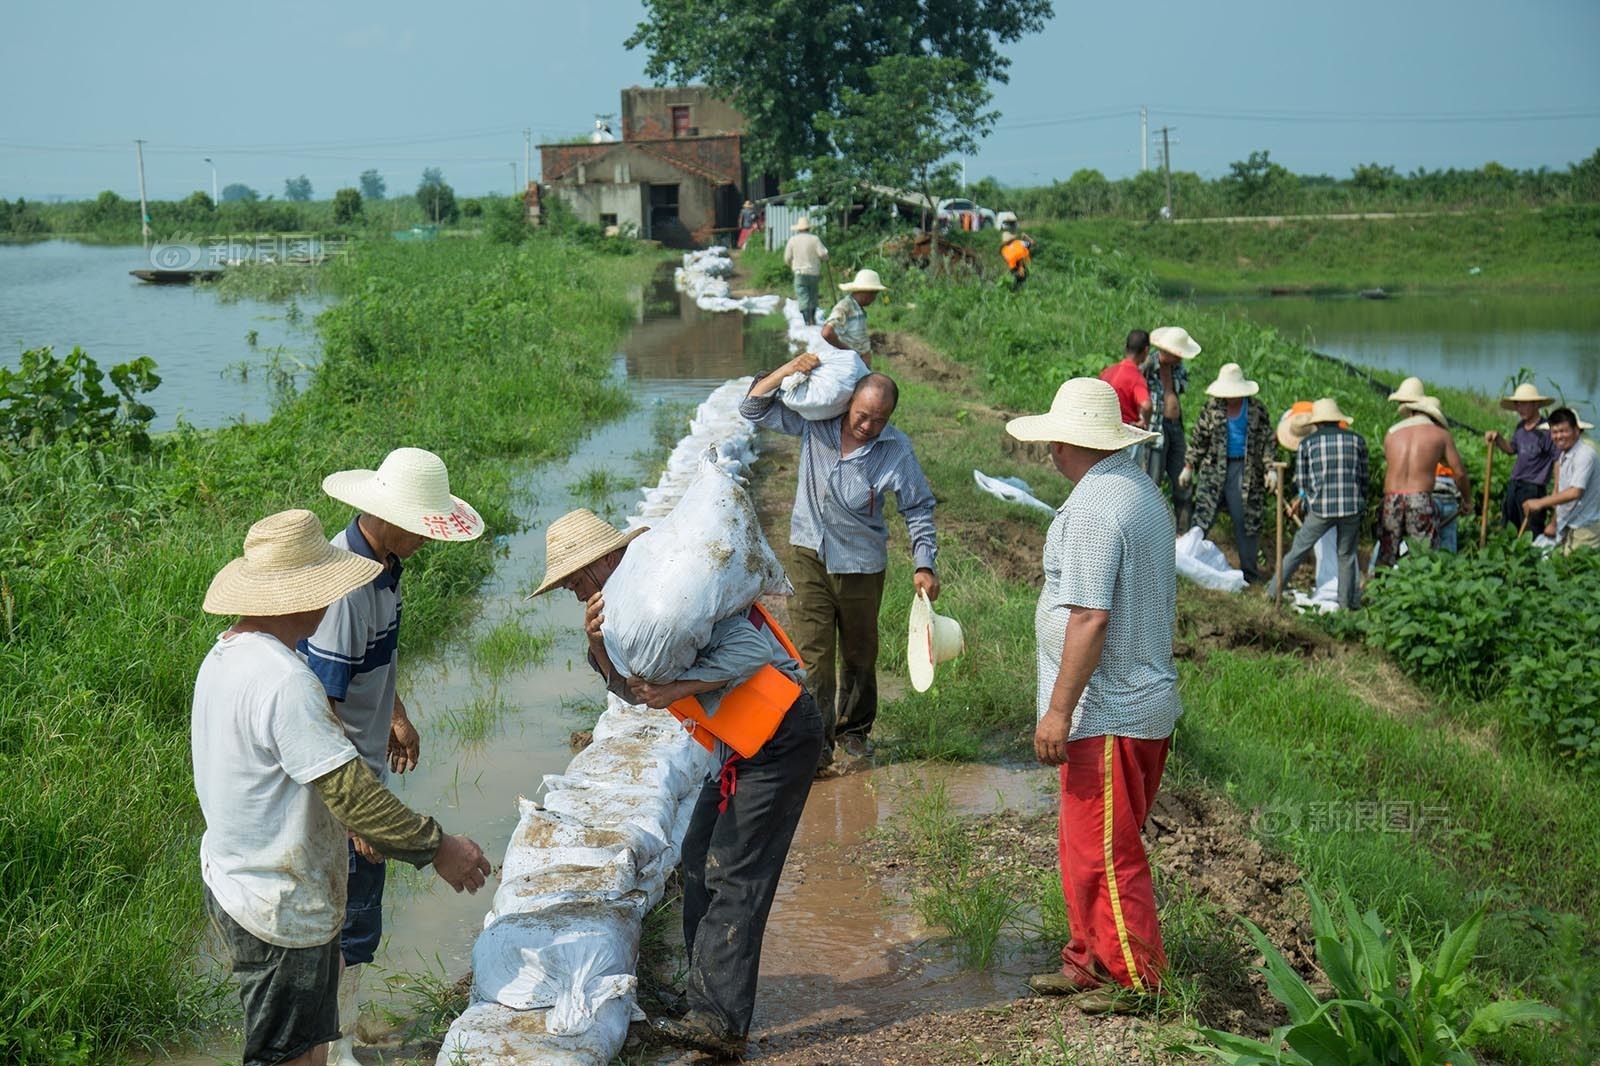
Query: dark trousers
[829,612]
[1248,544]
[1305,542]
[1167,462]
[1518,492]
[731,863]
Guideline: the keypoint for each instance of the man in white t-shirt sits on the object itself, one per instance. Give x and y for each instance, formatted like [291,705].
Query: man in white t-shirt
[402,505]
[279,784]
[1576,501]
[1108,688]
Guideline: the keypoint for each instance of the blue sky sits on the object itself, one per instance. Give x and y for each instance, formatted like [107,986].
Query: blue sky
[328,90]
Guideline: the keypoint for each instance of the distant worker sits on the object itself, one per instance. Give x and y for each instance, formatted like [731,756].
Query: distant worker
[1231,448]
[1576,523]
[280,785]
[1330,471]
[1017,250]
[1127,378]
[749,221]
[804,254]
[1167,378]
[1530,442]
[1447,498]
[846,326]
[1413,450]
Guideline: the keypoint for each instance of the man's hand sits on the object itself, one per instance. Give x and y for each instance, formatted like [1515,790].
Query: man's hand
[367,851]
[804,363]
[1186,476]
[1492,437]
[404,743]
[1296,506]
[1271,481]
[1538,503]
[928,582]
[1050,738]
[661,696]
[1550,530]
[461,863]
[594,616]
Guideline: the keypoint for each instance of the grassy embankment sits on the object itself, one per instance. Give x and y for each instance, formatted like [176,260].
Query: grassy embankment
[486,353]
[1268,724]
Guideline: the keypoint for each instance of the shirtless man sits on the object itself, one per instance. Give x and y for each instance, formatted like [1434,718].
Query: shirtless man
[1413,450]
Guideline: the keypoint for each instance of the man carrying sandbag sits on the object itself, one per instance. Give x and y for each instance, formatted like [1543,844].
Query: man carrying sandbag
[848,467]
[743,699]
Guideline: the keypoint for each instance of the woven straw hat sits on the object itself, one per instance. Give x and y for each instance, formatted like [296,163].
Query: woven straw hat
[1327,410]
[1426,406]
[288,567]
[575,540]
[1525,393]
[1231,383]
[864,281]
[1410,389]
[933,639]
[1293,427]
[1176,340]
[1085,412]
[411,489]
[802,223]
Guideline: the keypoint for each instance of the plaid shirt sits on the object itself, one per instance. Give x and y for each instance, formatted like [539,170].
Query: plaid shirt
[1331,470]
[1152,379]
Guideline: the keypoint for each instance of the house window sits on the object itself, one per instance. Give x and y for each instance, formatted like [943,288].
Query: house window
[607,221]
[680,121]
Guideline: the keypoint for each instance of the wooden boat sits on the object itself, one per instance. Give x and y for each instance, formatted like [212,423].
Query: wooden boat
[176,277]
[1374,294]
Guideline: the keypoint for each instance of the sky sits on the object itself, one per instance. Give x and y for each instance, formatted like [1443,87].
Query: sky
[330,90]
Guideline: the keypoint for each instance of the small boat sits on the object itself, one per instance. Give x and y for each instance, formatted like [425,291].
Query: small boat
[175,277]
[1374,294]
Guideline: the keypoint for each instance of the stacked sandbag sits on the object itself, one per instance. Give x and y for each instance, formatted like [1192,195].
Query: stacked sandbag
[718,433]
[703,276]
[1202,562]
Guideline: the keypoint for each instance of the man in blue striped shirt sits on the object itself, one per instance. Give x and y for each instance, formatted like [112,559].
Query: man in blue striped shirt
[848,466]
[1330,469]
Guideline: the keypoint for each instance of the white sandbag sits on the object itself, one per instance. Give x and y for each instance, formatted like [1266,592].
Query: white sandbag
[490,1034]
[1202,562]
[1325,597]
[637,761]
[1011,490]
[554,884]
[570,958]
[824,392]
[702,563]
[544,838]
[646,810]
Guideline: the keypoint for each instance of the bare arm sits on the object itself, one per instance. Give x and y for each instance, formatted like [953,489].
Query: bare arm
[1080,656]
[804,363]
[1458,470]
[831,337]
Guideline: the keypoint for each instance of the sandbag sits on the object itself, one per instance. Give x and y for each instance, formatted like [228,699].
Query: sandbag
[824,392]
[637,810]
[1012,490]
[1202,562]
[704,562]
[569,958]
[545,838]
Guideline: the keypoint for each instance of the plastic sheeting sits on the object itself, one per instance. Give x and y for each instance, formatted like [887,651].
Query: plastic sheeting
[1202,562]
[1325,597]
[1011,490]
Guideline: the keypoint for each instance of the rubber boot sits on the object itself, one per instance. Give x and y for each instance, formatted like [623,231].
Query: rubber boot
[344,1053]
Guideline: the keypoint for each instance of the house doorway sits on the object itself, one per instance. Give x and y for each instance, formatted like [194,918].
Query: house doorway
[664,223]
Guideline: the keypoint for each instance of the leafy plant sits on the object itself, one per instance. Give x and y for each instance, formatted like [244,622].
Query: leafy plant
[49,399]
[1388,1006]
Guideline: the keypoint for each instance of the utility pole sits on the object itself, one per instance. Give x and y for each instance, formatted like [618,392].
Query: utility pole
[527,154]
[1166,165]
[214,199]
[513,166]
[144,208]
[1144,139]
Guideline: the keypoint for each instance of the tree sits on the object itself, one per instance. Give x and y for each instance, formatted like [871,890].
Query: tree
[1259,184]
[237,193]
[436,198]
[297,189]
[1371,177]
[785,65]
[346,206]
[372,186]
[917,112]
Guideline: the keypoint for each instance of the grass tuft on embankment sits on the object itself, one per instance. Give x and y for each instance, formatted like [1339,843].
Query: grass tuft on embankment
[483,353]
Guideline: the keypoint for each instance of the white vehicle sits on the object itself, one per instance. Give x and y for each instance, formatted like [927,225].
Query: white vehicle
[961,213]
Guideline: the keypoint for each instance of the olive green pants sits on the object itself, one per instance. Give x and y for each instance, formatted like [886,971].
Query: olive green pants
[833,621]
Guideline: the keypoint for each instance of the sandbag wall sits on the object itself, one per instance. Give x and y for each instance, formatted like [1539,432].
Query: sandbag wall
[704,276]
[553,969]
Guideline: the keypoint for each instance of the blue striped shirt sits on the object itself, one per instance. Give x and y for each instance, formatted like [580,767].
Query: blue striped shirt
[838,501]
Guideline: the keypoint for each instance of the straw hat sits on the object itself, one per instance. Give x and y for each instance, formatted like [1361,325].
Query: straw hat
[288,567]
[1525,393]
[1231,383]
[1327,410]
[1006,237]
[1085,412]
[1427,406]
[411,489]
[1176,340]
[1410,389]
[575,540]
[1293,427]
[933,639]
[864,281]
[801,224]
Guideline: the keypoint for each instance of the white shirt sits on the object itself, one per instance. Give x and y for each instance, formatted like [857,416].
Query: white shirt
[1576,469]
[804,253]
[1111,548]
[261,731]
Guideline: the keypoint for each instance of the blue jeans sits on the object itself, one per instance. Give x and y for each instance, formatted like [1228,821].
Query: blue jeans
[1448,507]
[363,910]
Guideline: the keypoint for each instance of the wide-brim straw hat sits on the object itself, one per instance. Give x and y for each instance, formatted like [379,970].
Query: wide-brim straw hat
[410,489]
[1293,427]
[1232,384]
[864,281]
[933,639]
[1410,389]
[802,223]
[1086,413]
[288,567]
[1327,410]
[1525,393]
[575,540]
[1175,339]
[1428,406]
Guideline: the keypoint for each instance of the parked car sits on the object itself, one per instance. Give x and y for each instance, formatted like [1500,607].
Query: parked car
[960,213]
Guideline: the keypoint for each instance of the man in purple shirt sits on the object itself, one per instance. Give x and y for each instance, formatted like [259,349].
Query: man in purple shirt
[1530,442]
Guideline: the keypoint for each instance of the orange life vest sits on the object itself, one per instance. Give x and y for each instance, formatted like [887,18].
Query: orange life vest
[752,710]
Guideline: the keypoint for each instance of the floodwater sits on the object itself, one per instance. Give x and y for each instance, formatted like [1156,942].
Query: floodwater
[67,294]
[1460,341]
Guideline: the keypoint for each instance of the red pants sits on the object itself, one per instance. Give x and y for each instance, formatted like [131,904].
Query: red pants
[1107,786]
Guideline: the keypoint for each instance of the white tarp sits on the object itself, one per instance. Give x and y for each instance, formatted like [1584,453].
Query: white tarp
[1011,490]
[1202,562]
[1325,597]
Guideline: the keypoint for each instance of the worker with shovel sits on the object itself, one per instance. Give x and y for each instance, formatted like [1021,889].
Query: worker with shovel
[1530,442]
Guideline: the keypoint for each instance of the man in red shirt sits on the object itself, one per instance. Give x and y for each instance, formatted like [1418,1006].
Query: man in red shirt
[1127,378]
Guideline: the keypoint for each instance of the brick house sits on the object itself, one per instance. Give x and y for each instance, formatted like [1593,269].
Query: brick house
[676,176]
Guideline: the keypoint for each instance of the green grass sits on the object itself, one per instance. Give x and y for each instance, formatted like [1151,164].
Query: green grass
[488,355]
[507,648]
[596,486]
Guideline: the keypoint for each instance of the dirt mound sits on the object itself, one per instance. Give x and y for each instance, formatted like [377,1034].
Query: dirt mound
[1212,621]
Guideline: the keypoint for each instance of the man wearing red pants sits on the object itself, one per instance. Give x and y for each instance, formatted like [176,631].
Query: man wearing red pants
[1108,688]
